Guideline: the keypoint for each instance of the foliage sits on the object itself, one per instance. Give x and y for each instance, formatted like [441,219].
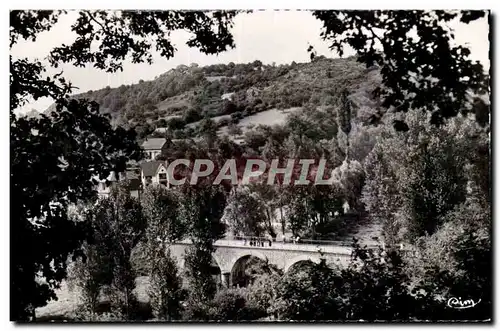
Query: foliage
[245,213]
[414,179]
[161,207]
[351,177]
[313,208]
[78,142]
[262,290]
[165,290]
[426,72]
[121,224]
[118,34]
[89,276]
[269,198]
[233,129]
[373,287]
[227,305]
[307,295]
[455,261]
[433,184]
[376,286]
[231,305]
[190,94]
[208,130]
[202,210]
[117,225]
[380,194]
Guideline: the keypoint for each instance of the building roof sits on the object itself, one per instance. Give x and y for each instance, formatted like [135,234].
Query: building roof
[153,143]
[132,174]
[150,168]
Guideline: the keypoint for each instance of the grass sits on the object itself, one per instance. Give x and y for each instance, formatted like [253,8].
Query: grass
[267,117]
[65,307]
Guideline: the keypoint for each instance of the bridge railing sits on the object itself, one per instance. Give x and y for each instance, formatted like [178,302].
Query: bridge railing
[250,239]
[280,245]
[326,246]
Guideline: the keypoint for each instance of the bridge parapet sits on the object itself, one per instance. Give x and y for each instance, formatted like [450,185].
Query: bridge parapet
[284,246]
[231,252]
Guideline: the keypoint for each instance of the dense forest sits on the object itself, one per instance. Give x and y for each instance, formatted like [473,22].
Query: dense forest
[188,94]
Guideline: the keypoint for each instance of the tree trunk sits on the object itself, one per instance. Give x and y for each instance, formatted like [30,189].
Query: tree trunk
[347,156]
[283,222]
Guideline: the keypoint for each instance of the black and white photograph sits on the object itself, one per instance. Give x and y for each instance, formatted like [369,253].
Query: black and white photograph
[250,166]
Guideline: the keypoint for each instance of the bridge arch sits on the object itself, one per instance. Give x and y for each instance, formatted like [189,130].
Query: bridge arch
[244,253]
[300,259]
[239,265]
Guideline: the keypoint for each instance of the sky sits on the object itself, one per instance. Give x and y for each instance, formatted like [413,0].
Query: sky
[269,36]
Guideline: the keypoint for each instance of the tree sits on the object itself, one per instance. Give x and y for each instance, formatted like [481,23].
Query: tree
[165,291]
[176,123]
[245,213]
[91,272]
[312,210]
[202,209]
[78,145]
[308,295]
[344,117]
[269,198]
[234,130]
[380,195]
[261,293]
[121,33]
[351,177]
[161,207]
[121,222]
[77,141]
[231,305]
[208,130]
[433,184]
[426,72]
[89,275]
[376,286]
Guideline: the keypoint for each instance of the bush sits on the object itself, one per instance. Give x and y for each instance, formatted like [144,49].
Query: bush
[262,293]
[139,259]
[238,115]
[231,305]
[223,122]
[161,123]
[176,123]
[192,115]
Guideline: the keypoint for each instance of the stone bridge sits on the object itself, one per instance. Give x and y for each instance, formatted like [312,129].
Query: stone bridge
[231,256]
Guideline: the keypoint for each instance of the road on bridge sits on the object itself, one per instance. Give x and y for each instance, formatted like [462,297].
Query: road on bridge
[327,247]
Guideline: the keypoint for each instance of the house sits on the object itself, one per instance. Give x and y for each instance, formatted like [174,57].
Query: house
[227,96]
[134,182]
[154,147]
[104,185]
[132,176]
[154,172]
